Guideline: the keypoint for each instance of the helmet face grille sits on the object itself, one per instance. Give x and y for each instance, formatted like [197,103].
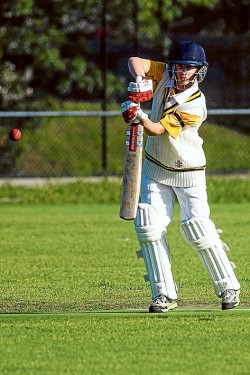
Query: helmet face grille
[188,53]
[201,73]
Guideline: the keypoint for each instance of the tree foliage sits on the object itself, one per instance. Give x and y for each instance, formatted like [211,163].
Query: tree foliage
[51,48]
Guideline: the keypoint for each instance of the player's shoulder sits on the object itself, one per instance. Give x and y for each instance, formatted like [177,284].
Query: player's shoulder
[202,97]
[195,95]
[157,65]
[156,70]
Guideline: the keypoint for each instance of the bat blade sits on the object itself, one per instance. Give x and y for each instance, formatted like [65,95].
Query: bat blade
[131,181]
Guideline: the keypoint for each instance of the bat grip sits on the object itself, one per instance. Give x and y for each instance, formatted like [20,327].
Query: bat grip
[138,79]
[136,122]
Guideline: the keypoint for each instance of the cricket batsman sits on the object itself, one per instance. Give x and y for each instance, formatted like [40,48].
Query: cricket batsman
[174,168]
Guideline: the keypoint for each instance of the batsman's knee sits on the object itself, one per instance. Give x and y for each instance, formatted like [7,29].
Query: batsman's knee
[151,235]
[203,237]
[148,224]
[200,233]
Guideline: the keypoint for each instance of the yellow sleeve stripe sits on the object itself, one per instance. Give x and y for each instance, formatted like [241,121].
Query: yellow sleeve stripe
[188,119]
[179,119]
[174,122]
[171,124]
[156,70]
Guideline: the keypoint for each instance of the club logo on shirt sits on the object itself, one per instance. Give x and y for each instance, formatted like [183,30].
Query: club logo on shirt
[178,163]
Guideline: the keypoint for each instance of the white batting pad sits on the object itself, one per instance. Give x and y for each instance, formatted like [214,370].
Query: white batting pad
[155,251]
[202,235]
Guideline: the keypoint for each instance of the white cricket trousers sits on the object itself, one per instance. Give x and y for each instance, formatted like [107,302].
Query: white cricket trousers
[192,200]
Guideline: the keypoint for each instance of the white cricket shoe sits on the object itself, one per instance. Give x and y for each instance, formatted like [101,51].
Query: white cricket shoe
[230,299]
[162,304]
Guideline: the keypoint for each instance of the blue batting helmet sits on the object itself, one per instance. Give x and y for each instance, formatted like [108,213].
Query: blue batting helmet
[188,53]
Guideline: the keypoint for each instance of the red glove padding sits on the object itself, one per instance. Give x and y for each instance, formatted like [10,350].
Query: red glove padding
[140,91]
[139,97]
[129,111]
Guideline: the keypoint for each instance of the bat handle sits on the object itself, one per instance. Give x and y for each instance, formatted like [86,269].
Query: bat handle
[138,79]
[136,121]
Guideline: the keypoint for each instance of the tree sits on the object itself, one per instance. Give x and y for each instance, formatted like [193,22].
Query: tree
[47,49]
[51,48]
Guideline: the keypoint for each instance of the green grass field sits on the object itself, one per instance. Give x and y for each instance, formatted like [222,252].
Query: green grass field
[73,299]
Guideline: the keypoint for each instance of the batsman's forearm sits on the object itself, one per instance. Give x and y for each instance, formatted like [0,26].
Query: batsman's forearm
[138,66]
[152,128]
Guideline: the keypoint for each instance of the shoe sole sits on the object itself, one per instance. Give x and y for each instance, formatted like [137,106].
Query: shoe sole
[158,309]
[229,305]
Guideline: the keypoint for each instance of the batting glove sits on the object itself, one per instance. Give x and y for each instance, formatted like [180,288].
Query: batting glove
[129,111]
[140,91]
[141,115]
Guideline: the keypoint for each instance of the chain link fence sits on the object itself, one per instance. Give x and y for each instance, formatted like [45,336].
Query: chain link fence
[85,136]
[74,144]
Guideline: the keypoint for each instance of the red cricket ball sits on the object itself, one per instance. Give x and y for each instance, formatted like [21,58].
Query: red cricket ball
[15,135]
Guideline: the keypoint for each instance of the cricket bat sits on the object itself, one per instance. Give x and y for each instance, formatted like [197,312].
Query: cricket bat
[131,181]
